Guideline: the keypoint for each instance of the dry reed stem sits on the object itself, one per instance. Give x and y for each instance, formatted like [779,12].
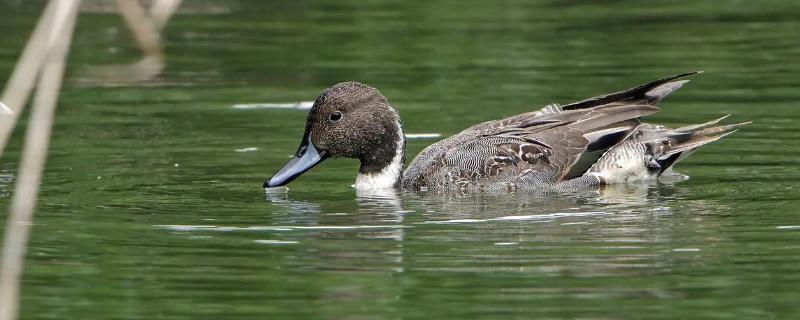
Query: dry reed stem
[37,139]
[19,85]
[4,110]
[144,30]
[162,10]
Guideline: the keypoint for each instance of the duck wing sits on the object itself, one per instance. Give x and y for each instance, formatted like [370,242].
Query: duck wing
[548,147]
[555,143]
[649,93]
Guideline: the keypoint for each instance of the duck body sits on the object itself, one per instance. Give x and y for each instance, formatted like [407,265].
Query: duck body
[577,146]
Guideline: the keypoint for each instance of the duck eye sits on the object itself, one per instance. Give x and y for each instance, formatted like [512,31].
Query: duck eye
[336,115]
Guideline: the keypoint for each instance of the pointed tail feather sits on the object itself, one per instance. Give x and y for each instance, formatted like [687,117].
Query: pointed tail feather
[695,127]
[681,142]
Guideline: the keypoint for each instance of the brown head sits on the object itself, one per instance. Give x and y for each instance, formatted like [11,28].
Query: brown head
[350,120]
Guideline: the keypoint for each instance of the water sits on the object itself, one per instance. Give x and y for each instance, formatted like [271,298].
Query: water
[148,211]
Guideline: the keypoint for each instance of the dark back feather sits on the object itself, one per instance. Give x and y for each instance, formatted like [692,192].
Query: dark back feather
[638,94]
[553,144]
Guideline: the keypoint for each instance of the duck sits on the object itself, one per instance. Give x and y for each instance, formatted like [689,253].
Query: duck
[577,146]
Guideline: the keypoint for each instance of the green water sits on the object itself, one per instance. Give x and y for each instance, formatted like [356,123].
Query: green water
[147,211]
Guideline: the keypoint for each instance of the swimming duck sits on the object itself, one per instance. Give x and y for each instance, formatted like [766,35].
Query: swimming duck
[576,146]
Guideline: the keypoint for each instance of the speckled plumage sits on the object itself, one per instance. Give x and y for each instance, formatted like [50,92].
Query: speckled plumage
[576,146]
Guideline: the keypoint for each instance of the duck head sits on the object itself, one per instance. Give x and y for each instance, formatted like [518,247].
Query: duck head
[350,120]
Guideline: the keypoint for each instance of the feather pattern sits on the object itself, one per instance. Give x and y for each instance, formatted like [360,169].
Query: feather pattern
[576,146]
[590,142]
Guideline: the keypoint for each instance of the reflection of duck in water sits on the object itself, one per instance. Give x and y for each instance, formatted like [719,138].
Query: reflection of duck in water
[373,207]
[577,146]
[386,213]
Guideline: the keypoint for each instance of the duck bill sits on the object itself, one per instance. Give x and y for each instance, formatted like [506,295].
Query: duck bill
[307,157]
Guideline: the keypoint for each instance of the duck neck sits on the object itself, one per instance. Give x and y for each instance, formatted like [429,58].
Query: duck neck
[382,168]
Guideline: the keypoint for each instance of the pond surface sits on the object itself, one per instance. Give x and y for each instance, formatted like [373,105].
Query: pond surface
[152,207]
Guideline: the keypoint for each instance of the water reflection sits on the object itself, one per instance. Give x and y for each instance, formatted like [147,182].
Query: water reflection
[635,227]
[613,233]
[681,251]
[282,200]
[394,207]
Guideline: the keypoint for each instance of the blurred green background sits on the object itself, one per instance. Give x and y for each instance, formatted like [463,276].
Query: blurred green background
[147,210]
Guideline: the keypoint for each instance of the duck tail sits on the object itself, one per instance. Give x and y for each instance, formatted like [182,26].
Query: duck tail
[677,144]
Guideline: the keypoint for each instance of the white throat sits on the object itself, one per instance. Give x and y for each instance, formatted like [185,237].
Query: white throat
[388,176]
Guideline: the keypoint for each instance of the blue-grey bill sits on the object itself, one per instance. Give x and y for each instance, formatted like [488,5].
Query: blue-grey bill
[307,157]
